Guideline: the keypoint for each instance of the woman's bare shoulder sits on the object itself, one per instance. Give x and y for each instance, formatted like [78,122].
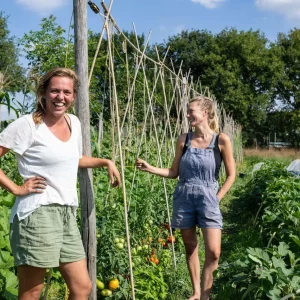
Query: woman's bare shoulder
[224,139]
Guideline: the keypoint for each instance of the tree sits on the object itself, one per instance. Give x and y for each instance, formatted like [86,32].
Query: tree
[11,73]
[289,52]
[288,90]
[238,67]
[48,47]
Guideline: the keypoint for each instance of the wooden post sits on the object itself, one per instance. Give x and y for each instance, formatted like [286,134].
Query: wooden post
[184,103]
[88,216]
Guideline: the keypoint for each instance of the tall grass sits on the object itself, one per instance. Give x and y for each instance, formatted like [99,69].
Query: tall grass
[285,156]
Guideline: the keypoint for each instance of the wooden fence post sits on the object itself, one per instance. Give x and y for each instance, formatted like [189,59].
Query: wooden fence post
[88,216]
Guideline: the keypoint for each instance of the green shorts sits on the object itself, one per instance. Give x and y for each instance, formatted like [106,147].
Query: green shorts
[46,238]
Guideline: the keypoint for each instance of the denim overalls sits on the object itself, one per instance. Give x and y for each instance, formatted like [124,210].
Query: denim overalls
[194,200]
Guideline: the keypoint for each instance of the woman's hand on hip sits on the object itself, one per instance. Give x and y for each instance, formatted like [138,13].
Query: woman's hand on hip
[34,184]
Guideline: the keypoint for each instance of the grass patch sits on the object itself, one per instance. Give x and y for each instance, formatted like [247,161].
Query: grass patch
[285,156]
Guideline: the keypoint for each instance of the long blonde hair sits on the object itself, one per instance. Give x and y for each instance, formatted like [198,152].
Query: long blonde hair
[43,85]
[209,104]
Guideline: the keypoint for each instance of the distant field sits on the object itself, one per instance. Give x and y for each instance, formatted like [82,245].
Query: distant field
[273,153]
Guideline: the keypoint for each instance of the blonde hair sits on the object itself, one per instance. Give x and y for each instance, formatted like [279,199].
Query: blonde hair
[209,104]
[43,85]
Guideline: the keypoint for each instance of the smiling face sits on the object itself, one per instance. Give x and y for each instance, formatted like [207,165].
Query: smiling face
[196,114]
[59,95]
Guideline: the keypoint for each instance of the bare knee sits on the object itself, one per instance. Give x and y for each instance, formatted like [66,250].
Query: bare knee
[191,247]
[33,293]
[212,256]
[81,290]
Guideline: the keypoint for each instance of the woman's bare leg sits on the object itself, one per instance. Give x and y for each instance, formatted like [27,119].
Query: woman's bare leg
[212,242]
[190,241]
[77,279]
[31,282]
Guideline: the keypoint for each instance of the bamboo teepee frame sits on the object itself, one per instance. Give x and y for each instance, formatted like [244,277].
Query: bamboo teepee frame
[174,89]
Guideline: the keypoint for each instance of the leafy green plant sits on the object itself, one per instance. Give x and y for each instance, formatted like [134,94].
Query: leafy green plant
[8,279]
[150,283]
[272,269]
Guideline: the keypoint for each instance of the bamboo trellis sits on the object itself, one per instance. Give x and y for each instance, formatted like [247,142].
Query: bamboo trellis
[174,89]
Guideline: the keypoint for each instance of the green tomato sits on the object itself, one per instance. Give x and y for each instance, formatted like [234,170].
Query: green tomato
[146,246]
[117,240]
[133,251]
[139,248]
[122,241]
[120,245]
[106,292]
[100,284]
[150,222]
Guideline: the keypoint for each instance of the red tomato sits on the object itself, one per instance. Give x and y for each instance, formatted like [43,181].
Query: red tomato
[154,260]
[171,239]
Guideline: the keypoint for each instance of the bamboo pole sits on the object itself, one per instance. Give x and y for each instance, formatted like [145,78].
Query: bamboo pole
[121,160]
[99,42]
[160,160]
[125,37]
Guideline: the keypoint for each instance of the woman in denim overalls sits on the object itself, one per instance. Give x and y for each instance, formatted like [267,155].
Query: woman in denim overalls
[197,195]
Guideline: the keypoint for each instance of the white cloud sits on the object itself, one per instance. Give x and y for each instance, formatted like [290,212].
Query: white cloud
[288,8]
[209,3]
[42,6]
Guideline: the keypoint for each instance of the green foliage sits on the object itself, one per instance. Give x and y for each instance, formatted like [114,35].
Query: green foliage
[150,283]
[8,279]
[46,48]
[271,270]
[238,68]
[263,274]
[11,73]
[289,52]
[147,216]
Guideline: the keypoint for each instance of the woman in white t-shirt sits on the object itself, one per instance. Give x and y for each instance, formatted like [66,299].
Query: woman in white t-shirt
[48,148]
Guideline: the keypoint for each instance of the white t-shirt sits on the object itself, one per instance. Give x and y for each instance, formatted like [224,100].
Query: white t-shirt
[40,153]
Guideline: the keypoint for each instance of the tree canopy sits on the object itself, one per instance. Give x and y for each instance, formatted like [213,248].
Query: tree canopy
[240,68]
[11,73]
[48,47]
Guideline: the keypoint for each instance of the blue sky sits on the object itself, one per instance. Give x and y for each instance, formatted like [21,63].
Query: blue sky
[164,17]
